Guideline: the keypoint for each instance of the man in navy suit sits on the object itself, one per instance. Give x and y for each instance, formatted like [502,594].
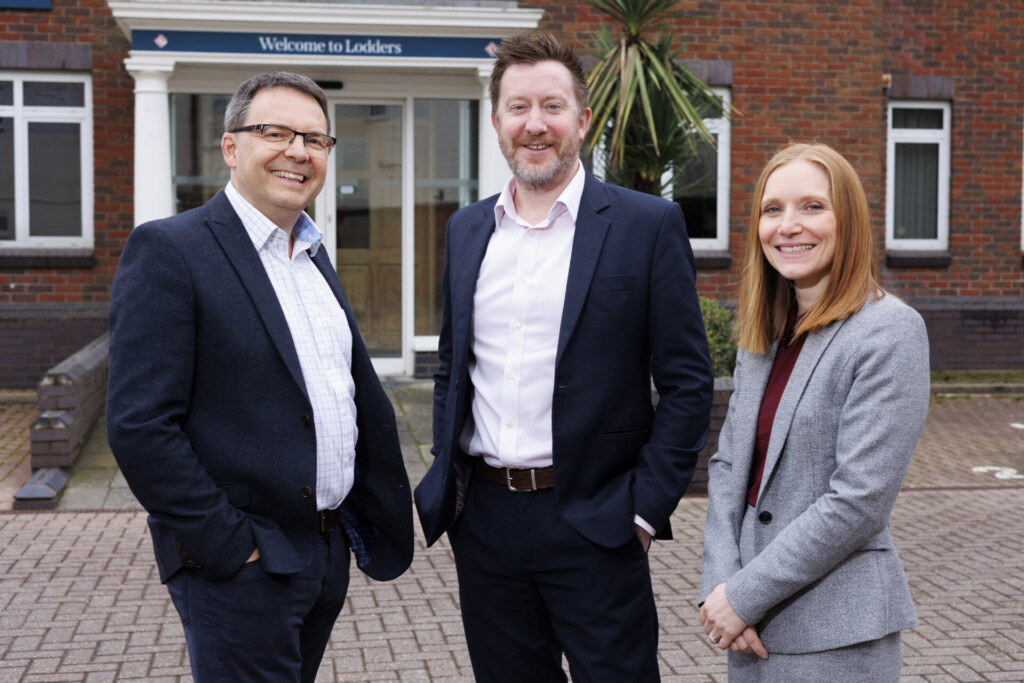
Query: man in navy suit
[243,408]
[562,296]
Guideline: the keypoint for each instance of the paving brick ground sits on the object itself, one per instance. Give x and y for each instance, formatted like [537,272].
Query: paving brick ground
[80,599]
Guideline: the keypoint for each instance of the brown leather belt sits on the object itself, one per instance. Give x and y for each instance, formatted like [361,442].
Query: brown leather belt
[328,519]
[519,480]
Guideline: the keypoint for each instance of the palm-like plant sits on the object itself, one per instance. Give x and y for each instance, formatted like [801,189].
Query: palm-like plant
[648,109]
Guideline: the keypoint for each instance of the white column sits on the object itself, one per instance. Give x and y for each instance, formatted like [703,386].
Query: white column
[153,188]
[494,171]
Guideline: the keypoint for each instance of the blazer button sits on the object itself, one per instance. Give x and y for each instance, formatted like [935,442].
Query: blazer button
[305,492]
[765,517]
[184,555]
[177,546]
[191,564]
[306,420]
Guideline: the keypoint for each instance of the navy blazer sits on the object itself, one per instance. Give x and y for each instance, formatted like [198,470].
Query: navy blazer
[207,411]
[631,312]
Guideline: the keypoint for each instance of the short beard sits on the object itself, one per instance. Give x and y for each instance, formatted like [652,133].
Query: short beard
[542,178]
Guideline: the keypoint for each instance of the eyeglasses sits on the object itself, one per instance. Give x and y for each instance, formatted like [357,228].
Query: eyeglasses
[282,136]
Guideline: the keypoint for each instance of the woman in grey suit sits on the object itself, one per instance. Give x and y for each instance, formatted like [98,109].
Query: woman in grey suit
[801,581]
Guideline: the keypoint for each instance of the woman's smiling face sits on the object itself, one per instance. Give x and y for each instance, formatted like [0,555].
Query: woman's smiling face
[797,228]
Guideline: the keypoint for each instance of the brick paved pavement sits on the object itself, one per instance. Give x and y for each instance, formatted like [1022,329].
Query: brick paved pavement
[80,599]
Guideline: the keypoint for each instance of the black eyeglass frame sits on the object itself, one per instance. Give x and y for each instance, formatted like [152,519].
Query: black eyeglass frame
[261,127]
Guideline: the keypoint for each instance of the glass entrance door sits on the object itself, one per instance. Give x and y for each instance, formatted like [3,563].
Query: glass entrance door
[368,199]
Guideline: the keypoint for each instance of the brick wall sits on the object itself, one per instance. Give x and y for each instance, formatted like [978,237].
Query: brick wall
[813,71]
[82,24]
[800,70]
[977,45]
[53,304]
[34,338]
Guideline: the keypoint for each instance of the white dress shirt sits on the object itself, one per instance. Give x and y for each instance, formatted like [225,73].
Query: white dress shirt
[323,342]
[517,313]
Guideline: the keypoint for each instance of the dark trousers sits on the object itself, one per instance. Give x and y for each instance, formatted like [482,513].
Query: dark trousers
[531,589]
[257,626]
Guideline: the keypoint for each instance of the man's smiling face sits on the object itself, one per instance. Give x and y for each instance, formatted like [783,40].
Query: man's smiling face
[279,182]
[539,124]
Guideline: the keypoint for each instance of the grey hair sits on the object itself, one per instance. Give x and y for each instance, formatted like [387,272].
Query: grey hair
[238,107]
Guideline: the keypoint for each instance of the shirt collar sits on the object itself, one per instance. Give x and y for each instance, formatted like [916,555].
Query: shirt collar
[569,200]
[261,229]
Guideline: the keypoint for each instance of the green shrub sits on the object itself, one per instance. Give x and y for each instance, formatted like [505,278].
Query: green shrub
[718,325]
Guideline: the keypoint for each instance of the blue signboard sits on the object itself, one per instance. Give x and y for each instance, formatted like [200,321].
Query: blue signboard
[25,4]
[310,44]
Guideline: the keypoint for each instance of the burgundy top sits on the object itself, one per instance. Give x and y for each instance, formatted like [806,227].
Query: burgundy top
[785,359]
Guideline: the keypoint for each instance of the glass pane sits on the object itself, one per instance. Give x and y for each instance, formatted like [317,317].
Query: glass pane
[368,162]
[446,180]
[54,179]
[695,189]
[917,118]
[197,124]
[6,179]
[917,191]
[45,94]
[6,93]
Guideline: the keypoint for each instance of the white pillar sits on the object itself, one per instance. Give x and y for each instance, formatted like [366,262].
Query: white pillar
[153,184]
[494,171]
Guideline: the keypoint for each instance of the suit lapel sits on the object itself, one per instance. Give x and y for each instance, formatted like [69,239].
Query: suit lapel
[229,232]
[757,368]
[468,246]
[587,241]
[810,354]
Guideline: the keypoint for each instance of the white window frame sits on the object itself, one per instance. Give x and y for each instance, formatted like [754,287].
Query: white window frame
[22,116]
[942,138]
[722,128]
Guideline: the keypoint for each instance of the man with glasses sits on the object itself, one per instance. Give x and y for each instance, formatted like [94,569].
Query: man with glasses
[243,408]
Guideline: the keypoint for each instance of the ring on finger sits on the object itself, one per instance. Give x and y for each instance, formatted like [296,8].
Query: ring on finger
[714,639]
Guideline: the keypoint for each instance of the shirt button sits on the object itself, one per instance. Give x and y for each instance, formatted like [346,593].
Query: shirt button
[522,278]
[306,492]
[511,374]
[517,326]
[508,423]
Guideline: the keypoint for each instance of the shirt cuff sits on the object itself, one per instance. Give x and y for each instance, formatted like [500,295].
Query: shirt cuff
[641,522]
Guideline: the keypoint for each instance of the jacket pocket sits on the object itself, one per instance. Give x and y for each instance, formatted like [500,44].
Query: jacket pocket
[622,432]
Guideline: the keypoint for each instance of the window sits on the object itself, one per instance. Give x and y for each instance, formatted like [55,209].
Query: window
[701,188]
[917,187]
[446,179]
[45,160]
[197,125]
[700,185]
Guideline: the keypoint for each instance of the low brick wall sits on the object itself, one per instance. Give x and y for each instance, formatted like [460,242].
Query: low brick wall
[34,337]
[719,408]
[72,395]
[974,333]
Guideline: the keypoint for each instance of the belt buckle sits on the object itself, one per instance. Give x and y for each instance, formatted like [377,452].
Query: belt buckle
[511,487]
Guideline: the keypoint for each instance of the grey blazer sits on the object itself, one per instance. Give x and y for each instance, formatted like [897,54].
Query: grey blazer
[822,572]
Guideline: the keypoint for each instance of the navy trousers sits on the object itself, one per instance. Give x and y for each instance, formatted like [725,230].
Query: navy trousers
[531,588]
[257,626]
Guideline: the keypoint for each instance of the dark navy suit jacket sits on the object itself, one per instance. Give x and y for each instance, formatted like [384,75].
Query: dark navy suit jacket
[631,312]
[207,411]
